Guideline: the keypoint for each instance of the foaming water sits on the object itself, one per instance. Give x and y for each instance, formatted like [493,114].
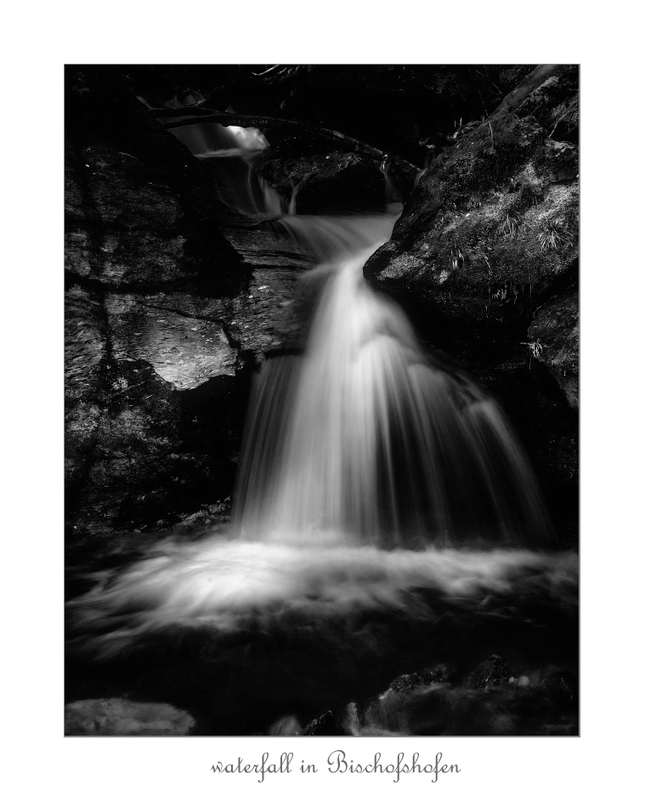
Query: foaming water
[225,586]
[207,139]
[393,196]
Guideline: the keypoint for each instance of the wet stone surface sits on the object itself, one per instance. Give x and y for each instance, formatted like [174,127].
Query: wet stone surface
[122,717]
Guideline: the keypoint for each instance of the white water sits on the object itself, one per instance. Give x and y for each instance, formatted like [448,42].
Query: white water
[226,587]
[235,152]
[211,139]
[363,440]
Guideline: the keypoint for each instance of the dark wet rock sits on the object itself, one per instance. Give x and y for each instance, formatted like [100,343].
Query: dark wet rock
[143,448]
[562,687]
[554,340]
[499,709]
[182,337]
[492,671]
[132,223]
[209,518]
[323,725]
[427,676]
[327,183]
[492,225]
[123,717]
[172,300]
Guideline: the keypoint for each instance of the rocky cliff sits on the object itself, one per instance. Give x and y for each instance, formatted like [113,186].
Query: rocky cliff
[171,301]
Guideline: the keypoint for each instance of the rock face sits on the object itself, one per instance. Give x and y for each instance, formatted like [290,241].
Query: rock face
[554,337]
[492,227]
[485,259]
[167,314]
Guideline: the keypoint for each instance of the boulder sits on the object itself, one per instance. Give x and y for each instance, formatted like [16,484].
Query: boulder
[427,676]
[124,717]
[323,725]
[492,227]
[490,672]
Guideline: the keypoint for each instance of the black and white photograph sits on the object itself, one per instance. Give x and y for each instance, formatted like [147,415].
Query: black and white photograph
[321,400]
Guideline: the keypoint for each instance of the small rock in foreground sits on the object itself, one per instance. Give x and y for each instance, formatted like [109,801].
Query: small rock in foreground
[492,671]
[427,676]
[324,725]
[122,717]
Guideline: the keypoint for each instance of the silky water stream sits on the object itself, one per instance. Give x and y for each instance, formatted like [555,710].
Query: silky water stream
[386,520]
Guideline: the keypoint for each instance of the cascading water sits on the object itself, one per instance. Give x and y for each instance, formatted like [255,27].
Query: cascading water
[364,441]
[379,446]
[234,153]
[382,501]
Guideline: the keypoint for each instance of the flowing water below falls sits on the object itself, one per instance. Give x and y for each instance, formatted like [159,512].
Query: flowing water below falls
[385,519]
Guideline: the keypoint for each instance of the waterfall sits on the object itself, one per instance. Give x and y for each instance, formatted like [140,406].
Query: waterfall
[234,152]
[392,193]
[207,140]
[363,440]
